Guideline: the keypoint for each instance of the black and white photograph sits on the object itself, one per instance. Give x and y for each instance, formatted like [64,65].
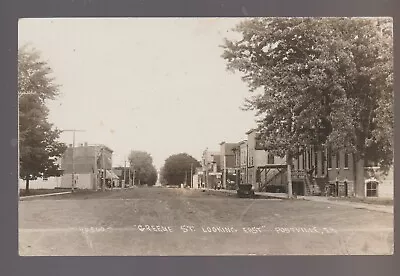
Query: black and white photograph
[205,136]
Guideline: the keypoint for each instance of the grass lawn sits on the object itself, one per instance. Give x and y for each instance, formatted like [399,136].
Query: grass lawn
[379,201]
[23,192]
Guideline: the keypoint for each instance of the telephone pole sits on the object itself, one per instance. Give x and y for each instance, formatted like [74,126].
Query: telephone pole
[104,170]
[72,154]
[123,183]
[191,175]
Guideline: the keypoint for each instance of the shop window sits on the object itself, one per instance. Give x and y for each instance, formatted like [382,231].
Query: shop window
[316,162]
[372,189]
[271,158]
[323,162]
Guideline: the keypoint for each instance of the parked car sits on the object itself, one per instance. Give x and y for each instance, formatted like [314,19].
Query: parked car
[245,190]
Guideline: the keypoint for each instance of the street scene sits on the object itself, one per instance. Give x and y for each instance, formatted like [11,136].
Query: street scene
[211,136]
[161,221]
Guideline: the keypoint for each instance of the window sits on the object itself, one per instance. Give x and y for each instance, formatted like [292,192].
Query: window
[271,158]
[329,157]
[310,158]
[337,160]
[346,160]
[316,162]
[323,162]
[304,159]
[298,162]
[372,189]
[258,176]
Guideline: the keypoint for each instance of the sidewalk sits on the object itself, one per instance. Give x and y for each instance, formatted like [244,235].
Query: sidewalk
[42,195]
[322,199]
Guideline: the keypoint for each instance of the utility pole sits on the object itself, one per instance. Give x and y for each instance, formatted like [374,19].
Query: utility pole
[123,183]
[185,177]
[104,171]
[191,175]
[129,176]
[72,155]
[134,176]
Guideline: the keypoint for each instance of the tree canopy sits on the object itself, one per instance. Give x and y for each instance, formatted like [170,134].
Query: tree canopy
[38,145]
[141,164]
[178,167]
[322,81]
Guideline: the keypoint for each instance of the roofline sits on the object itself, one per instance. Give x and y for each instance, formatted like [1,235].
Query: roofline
[242,142]
[102,146]
[250,131]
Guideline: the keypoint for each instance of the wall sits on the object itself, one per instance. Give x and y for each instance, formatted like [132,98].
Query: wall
[84,181]
[385,186]
[195,181]
[51,183]
[85,158]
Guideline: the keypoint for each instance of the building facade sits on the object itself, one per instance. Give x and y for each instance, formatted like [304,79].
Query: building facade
[315,171]
[90,162]
[210,162]
[227,165]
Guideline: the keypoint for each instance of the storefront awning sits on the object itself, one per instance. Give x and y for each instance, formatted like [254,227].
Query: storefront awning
[110,175]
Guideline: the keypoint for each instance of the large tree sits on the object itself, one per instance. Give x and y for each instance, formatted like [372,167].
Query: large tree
[141,164]
[163,181]
[178,168]
[38,145]
[322,81]
[152,176]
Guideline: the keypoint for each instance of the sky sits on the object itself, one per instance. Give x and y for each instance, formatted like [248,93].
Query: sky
[149,84]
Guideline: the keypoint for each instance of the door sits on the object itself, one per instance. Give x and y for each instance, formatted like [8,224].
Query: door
[298,188]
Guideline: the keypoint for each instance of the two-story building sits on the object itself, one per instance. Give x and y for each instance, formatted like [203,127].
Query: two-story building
[314,170]
[255,165]
[89,164]
[210,162]
[227,164]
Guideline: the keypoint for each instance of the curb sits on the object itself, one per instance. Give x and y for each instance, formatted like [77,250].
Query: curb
[365,207]
[42,195]
[355,206]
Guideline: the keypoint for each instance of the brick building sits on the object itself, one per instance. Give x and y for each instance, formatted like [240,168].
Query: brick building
[227,164]
[313,171]
[89,162]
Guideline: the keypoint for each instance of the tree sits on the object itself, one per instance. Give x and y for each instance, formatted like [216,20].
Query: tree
[141,164]
[38,145]
[177,168]
[152,176]
[163,181]
[322,81]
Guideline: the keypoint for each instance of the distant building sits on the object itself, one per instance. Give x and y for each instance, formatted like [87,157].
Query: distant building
[227,164]
[211,168]
[91,163]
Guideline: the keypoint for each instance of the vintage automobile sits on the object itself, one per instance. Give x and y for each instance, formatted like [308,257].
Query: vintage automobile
[245,190]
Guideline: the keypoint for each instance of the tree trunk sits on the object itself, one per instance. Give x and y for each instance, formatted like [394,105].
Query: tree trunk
[358,171]
[289,162]
[27,185]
